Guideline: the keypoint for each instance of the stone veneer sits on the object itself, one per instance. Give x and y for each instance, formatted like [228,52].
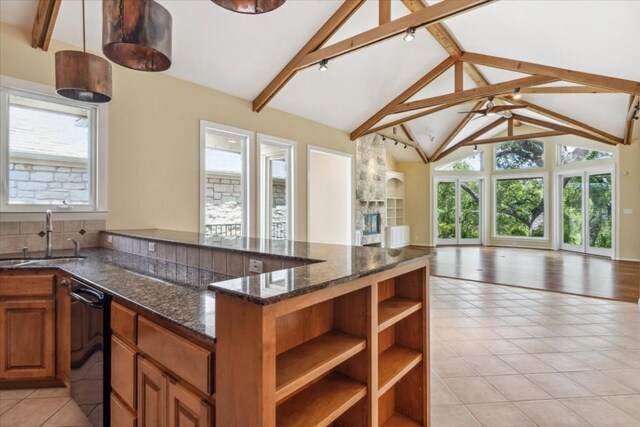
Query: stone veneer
[16,235]
[33,183]
[371,169]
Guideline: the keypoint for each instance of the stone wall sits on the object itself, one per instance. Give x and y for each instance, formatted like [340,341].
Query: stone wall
[32,183]
[371,169]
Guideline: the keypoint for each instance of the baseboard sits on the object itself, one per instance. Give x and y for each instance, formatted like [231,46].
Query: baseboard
[422,245]
[626,259]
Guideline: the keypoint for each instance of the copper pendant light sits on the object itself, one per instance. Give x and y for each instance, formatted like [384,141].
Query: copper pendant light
[137,34]
[252,7]
[81,75]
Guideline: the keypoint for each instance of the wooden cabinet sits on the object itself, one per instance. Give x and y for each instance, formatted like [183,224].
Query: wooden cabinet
[186,409]
[27,335]
[152,395]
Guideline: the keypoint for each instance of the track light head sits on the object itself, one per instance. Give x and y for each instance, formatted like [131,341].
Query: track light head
[475,149]
[323,65]
[405,146]
[517,94]
[396,143]
[409,35]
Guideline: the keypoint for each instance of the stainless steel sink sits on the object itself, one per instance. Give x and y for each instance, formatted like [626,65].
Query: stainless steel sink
[19,262]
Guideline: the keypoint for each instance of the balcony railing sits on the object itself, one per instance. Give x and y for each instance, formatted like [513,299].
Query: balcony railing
[278,230]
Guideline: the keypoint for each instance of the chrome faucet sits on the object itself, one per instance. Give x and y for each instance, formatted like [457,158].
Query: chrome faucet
[49,231]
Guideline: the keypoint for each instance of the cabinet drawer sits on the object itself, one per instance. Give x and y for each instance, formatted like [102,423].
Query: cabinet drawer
[123,372]
[123,322]
[120,415]
[181,357]
[27,285]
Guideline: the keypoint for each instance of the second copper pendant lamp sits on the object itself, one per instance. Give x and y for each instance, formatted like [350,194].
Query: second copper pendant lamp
[252,7]
[137,34]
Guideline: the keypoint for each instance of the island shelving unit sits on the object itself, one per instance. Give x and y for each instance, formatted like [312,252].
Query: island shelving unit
[354,353]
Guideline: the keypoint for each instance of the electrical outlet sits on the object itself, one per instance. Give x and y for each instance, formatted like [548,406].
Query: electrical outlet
[255,266]
[627,211]
[109,239]
[152,247]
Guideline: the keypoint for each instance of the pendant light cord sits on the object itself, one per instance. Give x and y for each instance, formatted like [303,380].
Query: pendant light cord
[84,31]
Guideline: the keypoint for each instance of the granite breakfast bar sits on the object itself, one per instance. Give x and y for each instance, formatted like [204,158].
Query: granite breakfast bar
[326,334]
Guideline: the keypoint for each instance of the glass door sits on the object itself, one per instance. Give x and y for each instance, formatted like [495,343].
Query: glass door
[587,219]
[458,211]
[276,194]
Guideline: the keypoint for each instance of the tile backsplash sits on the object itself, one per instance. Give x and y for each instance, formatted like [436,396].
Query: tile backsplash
[20,234]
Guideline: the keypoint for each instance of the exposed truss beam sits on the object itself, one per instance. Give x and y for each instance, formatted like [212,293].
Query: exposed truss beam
[461,124]
[476,93]
[596,80]
[340,16]
[428,16]
[564,89]
[471,137]
[632,113]
[567,120]
[510,127]
[408,93]
[412,137]
[520,137]
[554,126]
[44,22]
[458,77]
[384,12]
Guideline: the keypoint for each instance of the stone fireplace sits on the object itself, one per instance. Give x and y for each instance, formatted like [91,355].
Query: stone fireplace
[371,167]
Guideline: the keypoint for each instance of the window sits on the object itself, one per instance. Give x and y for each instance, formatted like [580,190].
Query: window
[49,148]
[569,154]
[472,163]
[524,154]
[224,175]
[520,207]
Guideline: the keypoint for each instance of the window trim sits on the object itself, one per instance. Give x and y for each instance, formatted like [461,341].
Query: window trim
[98,149]
[248,187]
[494,203]
[523,170]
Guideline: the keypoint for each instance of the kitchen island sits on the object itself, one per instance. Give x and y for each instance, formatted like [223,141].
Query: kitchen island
[327,333]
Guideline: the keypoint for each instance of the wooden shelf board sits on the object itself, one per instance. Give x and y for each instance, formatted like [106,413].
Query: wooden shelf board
[322,403]
[399,420]
[393,364]
[395,309]
[301,365]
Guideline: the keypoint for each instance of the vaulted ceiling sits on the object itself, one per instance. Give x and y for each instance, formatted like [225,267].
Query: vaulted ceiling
[241,55]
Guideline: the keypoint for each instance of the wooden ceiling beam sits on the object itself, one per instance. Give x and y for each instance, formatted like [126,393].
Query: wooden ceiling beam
[632,113]
[408,93]
[340,16]
[431,15]
[384,11]
[554,126]
[473,94]
[520,137]
[480,132]
[458,77]
[567,120]
[564,89]
[418,148]
[456,130]
[44,22]
[588,79]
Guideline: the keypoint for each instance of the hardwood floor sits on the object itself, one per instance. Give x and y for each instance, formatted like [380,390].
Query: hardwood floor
[557,271]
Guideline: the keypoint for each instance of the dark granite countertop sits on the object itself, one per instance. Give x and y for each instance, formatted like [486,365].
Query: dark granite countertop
[334,264]
[181,297]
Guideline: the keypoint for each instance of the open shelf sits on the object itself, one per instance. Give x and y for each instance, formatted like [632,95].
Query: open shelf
[393,364]
[321,403]
[399,420]
[395,309]
[304,363]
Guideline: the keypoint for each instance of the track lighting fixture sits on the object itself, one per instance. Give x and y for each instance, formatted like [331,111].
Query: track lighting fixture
[517,94]
[409,35]
[323,65]
[384,138]
[475,149]
[396,143]
[405,146]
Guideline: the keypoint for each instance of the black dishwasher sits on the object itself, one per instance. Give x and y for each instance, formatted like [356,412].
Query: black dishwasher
[90,351]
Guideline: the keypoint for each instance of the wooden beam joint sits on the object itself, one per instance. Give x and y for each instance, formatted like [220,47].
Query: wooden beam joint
[44,22]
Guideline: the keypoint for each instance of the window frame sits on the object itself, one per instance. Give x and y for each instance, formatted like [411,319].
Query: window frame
[247,175]
[583,163]
[494,207]
[522,170]
[98,149]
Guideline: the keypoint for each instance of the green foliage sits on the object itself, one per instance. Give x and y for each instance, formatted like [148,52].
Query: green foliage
[520,207]
[469,207]
[520,155]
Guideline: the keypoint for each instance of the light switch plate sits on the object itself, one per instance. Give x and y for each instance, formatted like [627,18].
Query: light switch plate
[627,211]
[255,266]
[109,239]
[152,247]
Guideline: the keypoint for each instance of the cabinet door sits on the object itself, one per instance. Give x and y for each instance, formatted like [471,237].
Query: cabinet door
[152,395]
[27,338]
[186,409]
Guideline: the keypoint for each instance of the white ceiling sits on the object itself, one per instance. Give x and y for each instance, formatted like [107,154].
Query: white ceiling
[240,54]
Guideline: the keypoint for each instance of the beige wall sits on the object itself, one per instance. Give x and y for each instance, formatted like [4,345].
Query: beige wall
[417,200]
[154,137]
[629,193]
[392,165]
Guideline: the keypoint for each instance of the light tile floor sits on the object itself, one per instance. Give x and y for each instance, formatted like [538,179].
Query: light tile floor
[506,356]
[41,407]
[501,356]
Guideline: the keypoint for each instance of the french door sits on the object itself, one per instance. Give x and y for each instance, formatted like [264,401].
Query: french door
[459,211]
[586,212]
